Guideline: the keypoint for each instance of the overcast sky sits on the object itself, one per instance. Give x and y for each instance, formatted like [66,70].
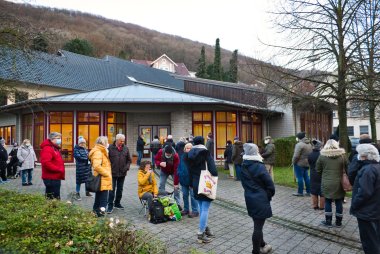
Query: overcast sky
[239,24]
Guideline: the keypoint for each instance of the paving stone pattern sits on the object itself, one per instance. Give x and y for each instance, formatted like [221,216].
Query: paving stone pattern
[293,229]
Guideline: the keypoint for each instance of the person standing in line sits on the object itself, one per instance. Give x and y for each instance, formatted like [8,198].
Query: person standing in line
[155,146]
[169,141]
[179,147]
[140,148]
[301,165]
[317,198]
[330,165]
[355,163]
[27,158]
[365,205]
[258,192]
[120,164]
[82,166]
[228,158]
[237,157]
[210,143]
[196,160]
[53,167]
[184,180]
[102,166]
[3,161]
[269,155]
[12,165]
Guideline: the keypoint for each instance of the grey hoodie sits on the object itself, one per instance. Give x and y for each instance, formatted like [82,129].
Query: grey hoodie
[301,152]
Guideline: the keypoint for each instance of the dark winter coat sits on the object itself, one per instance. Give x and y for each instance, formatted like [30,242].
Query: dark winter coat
[228,154]
[210,146]
[3,154]
[140,144]
[13,154]
[83,168]
[269,154]
[354,168]
[171,165]
[315,178]
[179,148]
[237,150]
[53,167]
[120,160]
[183,172]
[196,160]
[330,165]
[155,146]
[365,202]
[258,189]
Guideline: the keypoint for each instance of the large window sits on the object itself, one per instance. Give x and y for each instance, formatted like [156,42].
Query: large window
[225,130]
[363,129]
[62,122]
[89,126]
[202,124]
[8,133]
[251,127]
[27,127]
[115,125]
[350,130]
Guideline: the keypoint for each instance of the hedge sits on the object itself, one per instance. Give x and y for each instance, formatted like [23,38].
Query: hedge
[284,150]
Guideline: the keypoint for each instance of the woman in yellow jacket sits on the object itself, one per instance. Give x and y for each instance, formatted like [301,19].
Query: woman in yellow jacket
[147,185]
[101,165]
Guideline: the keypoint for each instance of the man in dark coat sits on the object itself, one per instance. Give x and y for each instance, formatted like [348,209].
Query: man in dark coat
[12,165]
[3,161]
[120,162]
[228,163]
[356,164]
[140,148]
[269,155]
[210,144]
[365,205]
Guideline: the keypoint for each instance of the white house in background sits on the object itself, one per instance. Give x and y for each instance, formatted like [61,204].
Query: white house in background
[165,63]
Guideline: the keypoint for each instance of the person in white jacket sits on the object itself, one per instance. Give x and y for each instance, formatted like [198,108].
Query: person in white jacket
[27,161]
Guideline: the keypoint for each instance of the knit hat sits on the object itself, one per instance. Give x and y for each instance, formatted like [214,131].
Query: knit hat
[250,149]
[169,149]
[199,140]
[236,138]
[81,140]
[170,137]
[301,135]
[268,137]
[317,145]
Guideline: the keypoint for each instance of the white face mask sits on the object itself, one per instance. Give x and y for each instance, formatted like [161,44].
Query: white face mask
[27,144]
[266,141]
[297,139]
[59,141]
[108,145]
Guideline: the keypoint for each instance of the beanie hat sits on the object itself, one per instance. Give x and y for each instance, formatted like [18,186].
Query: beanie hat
[236,138]
[169,149]
[250,149]
[301,135]
[81,140]
[199,140]
[170,137]
[317,145]
[268,137]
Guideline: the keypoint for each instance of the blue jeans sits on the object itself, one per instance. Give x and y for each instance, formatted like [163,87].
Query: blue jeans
[153,161]
[161,188]
[338,207]
[101,198]
[53,189]
[186,191]
[302,175]
[203,214]
[238,171]
[25,172]
[139,157]
[77,189]
[118,184]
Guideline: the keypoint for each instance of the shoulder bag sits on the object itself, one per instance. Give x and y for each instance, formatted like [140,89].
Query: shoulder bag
[207,184]
[344,180]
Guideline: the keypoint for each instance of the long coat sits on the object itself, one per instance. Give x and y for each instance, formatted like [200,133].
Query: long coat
[269,154]
[120,160]
[101,165]
[258,189]
[330,165]
[83,168]
[228,154]
[237,150]
[196,160]
[53,167]
[26,156]
[315,178]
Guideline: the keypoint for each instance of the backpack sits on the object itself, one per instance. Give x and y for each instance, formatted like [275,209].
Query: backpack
[156,212]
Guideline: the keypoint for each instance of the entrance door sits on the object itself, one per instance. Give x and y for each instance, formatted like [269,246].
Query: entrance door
[149,131]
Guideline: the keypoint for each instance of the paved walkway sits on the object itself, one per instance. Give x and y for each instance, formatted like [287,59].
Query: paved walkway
[294,227]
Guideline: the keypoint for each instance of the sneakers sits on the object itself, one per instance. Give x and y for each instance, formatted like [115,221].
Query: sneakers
[202,238]
[30,184]
[193,215]
[25,184]
[88,194]
[308,195]
[118,206]
[297,194]
[77,196]
[209,233]
[109,210]
[266,249]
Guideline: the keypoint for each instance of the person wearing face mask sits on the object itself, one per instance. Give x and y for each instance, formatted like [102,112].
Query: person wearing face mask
[27,161]
[269,155]
[53,167]
[83,168]
[301,165]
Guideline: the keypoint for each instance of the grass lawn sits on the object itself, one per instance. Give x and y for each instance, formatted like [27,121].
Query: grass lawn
[284,176]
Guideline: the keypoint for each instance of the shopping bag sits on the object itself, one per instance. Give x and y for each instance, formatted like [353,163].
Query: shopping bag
[207,184]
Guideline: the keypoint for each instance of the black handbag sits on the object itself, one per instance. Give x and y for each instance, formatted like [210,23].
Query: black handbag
[93,183]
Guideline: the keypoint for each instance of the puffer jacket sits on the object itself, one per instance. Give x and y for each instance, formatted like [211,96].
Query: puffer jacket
[365,202]
[269,154]
[101,165]
[26,156]
[83,168]
[330,165]
[196,160]
[301,152]
[120,160]
[146,185]
[53,167]
[237,150]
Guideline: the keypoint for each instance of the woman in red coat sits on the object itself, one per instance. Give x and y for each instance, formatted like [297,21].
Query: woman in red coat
[53,168]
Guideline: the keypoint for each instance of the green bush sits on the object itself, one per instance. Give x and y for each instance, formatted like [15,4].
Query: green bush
[284,150]
[31,224]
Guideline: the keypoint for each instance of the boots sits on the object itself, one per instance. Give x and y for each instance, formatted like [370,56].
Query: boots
[88,194]
[338,221]
[209,233]
[202,238]
[328,221]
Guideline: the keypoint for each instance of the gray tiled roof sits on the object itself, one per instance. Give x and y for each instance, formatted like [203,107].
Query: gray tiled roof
[74,71]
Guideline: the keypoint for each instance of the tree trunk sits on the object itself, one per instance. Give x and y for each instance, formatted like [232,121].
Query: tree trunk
[342,114]
[372,120]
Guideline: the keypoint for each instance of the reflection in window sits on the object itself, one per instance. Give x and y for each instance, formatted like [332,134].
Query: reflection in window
[251,128]
[116,124]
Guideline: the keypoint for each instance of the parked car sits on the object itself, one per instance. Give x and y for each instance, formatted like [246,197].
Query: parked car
[354,142]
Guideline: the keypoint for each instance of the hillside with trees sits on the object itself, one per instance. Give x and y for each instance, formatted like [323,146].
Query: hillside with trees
[111,37]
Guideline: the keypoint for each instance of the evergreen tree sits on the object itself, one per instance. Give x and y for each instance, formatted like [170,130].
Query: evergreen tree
[217,73]
[233,73]
[210,71]
[201,70]
[40,43]
[79,46]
